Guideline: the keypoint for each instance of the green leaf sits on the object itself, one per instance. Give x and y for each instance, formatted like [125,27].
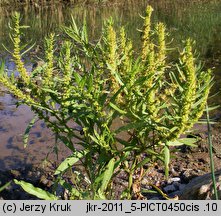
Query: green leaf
[41,107]
[183,141]
[103,99]
[24,27]
[27,50]
[94,139]
[70,161]
[90,83]
[166,160]
[133,125]
[27,131]
[122,158]
[131,148]
[189,141]
[174,143]
[2,67]
[107,175]
[198,103]
[67,142]
[123,142]
[38,192]
[116,75]
[117,108]
[74,25]
[7,49]
[99,196]
[84,31]
[120,90]
[5,186]
[213,107]
[82,82]
[151,152]
[77,77]
[49,90]
[99,179]
[175,79]
[142,163]
[70,188]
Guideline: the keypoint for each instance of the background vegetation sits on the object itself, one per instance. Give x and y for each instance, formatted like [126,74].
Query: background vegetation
[197,19]
[38,2]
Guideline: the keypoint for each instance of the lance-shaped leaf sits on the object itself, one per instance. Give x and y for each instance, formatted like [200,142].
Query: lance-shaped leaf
[70,161]
[107,175]
[70,188]
[166,160]
[183,141]
[133,125]
[38,192]
[2,67]
[27,131]
[4,186]
[117,108]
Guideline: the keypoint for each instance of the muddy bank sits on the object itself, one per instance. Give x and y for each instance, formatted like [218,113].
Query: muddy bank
[188,164]
[40,176]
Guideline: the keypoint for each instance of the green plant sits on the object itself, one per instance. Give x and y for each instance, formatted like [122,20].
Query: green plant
[3,187]
[211,153]
[95,85]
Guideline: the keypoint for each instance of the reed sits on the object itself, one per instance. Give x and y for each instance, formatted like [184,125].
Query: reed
[40,2]
[200,21]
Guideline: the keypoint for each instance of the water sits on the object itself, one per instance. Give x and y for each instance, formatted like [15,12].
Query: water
[200,20]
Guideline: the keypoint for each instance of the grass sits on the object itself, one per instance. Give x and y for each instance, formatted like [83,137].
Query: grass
[199,20]
[39,2]
[211,154]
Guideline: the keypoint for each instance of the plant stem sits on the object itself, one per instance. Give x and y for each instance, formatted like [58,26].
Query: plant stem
[211,153]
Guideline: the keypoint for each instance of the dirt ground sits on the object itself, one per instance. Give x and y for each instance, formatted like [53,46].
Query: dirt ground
[186,164]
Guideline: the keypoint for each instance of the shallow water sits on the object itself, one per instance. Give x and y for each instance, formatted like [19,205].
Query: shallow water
[200,20]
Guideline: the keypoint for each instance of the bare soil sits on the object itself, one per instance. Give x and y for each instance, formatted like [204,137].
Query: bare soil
[187,164]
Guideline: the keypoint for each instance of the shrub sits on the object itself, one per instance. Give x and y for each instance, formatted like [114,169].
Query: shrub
[95,85]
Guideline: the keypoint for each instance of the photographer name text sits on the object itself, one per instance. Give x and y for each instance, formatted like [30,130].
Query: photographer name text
[41,208]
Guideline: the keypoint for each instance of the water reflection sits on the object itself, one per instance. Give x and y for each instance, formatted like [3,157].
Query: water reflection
[13,122]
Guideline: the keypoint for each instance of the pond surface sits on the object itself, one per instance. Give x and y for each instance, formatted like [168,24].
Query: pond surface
[200,20]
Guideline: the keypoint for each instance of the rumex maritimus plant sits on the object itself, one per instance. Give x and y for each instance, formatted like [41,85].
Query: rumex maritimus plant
[94,85]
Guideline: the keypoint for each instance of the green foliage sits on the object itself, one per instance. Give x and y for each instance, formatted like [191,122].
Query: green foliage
[211,154]
[69,162]
[95,85]
[38,192]
[3,187]
[27,131]
[39,2]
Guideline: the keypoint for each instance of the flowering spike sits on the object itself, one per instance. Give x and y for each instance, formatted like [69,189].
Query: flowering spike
[17,51]
[146,33]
